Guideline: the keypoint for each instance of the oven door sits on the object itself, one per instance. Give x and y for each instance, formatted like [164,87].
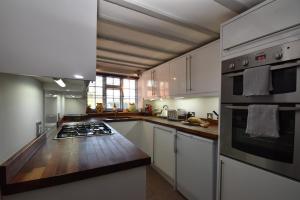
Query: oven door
[280,155]
[285,82]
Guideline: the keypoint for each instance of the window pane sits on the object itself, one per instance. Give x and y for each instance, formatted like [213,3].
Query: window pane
[132,93]
[109,103]
[110,93]
[116,93]
[99,81]
[91,101]
[92,90]
[125,83]
[99,91]
[109,81]
[116,81]
[99,99]
[132,84]
[126,93]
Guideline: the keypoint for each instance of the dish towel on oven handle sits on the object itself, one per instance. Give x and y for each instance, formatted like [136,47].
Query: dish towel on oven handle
[257,81]
[263,121]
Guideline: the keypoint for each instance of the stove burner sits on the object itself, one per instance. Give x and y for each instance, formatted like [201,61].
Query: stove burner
[84,129]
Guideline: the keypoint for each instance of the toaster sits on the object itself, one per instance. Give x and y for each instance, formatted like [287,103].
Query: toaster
[176,115]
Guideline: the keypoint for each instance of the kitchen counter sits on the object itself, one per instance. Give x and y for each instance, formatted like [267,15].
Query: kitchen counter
[66,160]
[210,133]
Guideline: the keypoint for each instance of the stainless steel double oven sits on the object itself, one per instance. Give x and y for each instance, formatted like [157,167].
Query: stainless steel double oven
[279,155]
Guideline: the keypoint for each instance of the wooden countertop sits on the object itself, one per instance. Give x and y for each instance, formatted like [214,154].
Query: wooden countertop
[61,161]
[210,133]
[66,160]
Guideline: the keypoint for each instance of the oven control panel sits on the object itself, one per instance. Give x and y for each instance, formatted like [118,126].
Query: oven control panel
[288,51]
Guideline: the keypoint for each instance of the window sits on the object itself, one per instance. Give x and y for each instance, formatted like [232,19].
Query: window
[111,90]
[129,91]
[95,92]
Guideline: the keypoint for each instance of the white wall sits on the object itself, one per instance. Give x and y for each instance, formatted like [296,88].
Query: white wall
[21,106]
[201,106]
[75,106]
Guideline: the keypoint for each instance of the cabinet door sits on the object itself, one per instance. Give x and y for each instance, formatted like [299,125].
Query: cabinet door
[131,130]
[146,138]
[242,181]
[178,76]
[162,86]
[205,70]
[196,158]
[263,20]
[147,84]
[55,38]
[164,150]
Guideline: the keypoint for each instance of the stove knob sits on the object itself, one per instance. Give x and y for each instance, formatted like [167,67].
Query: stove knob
[245,62]
[231,66]
[278,55]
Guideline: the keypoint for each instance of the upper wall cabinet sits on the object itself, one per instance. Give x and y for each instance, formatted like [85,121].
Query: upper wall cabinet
[198,72]
[54,38]
[205,70]
[178,76]
[268,17]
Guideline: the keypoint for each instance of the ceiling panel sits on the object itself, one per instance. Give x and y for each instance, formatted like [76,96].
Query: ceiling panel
[126,34]
[205,13]
[128,58]
[120,14]
[113,45]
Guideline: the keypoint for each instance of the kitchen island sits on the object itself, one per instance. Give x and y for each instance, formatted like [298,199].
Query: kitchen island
[85,167]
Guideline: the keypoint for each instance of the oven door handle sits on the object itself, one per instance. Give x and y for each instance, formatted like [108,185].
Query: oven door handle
[276,67]
[280,108]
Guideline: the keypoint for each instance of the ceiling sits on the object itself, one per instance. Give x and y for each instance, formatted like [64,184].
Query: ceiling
[73,87]
[135,35]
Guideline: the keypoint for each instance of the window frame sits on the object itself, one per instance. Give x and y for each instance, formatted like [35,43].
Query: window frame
[120,87]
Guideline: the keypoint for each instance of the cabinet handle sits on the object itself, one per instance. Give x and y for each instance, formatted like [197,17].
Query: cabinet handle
[191,72]
[175,143]
[186,73]
[221,179]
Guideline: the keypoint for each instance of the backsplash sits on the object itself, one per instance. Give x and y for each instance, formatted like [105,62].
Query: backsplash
[201,106]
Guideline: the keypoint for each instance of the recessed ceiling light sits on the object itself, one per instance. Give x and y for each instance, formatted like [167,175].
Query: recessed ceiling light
[60,82]
[77,76]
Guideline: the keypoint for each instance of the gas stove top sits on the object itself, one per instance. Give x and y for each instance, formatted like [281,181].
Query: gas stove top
[84,130]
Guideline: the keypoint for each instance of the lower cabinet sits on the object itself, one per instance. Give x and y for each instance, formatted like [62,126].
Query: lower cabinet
[130,129]
[164,151]
[146,138]
[242,181]
[196,167]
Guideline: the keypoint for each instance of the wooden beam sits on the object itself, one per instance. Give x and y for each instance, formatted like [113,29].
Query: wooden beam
[129,54]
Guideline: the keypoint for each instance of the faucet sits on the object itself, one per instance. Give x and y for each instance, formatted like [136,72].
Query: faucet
[115,110]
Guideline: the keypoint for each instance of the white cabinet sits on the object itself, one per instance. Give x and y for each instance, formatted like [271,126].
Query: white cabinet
[242,181]
[196,166]
[55,38]
[164,151]
[267,18]
[162,80]
[130,129]
[148,84]
[178,76]
[198,72]
[205,70]
[146,138]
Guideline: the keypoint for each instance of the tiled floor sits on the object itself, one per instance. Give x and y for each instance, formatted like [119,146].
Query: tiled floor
[159,189]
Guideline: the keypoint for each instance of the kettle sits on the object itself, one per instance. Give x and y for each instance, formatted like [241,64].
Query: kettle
[164,112]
